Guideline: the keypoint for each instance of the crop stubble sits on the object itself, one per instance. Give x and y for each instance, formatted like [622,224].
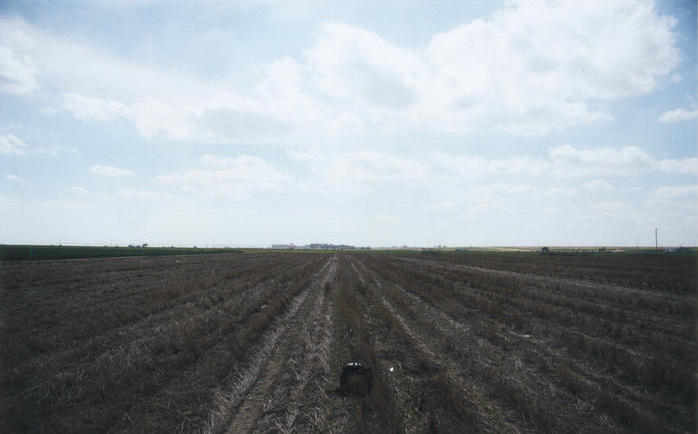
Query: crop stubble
[255,342]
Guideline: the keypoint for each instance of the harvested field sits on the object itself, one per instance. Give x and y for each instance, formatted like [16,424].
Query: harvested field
[256,342]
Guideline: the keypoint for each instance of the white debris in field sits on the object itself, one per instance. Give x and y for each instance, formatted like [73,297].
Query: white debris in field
[521,336]
[391,369]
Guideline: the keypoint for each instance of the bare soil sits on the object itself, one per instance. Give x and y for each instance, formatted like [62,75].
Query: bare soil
[256,342]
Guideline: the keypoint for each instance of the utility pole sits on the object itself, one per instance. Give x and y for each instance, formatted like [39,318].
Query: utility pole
[656,244]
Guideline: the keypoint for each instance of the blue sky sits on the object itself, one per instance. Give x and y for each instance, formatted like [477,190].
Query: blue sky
[370,123]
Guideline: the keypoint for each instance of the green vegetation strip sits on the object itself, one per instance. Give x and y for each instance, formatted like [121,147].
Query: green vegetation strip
[25,252]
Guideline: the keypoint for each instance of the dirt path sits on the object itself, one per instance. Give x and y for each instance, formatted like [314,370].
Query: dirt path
[304,366]
[245,400]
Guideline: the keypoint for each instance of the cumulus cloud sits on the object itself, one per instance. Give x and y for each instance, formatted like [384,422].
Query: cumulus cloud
[499,197]
[686,165]
[17,72]
[678,115]
[597,185]
[216,114]
[387,218]
[675,202]
[567,161]
[93,109]
[473,167]
[109,171]
[355,64]
[520,190]
[13,178]
[233,177]
[12,145]
[531,68]
[360,171]
[610,208]
[675,195]
[137,194]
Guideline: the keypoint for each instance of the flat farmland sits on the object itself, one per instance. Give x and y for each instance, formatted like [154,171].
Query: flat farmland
[256,342]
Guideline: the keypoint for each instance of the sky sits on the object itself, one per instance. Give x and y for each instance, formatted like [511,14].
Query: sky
[247,123]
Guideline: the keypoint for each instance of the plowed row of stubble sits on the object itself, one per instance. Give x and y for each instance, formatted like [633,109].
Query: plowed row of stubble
[196,319]
[557,363]
[672,273]
[434,391]
[277,387]
[256,343]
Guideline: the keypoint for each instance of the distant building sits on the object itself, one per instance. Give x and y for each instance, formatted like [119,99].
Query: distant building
[316,246]
[325,246]
[283,246]
[676,250]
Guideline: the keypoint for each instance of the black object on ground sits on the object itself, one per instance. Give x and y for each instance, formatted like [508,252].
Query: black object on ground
[356,379]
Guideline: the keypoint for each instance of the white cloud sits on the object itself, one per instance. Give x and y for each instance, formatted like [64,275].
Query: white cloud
[520,190]
[17,72]
[93,109]
[216,114]
[360,171]
[472,167]
[534,67]
[568,161]
[137,194]
[79,190]
[14,178]
[498,197]
[597,185]
[682,195]
[354,64]
[674,202]
[234,177]
[12,145]
[686,165]
[109,170]
[531,68]
[387,218]
[678,115]
[610,209]
[75,67]
[97,86]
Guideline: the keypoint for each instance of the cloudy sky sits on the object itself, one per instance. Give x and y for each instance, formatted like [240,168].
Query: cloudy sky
[370,123]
